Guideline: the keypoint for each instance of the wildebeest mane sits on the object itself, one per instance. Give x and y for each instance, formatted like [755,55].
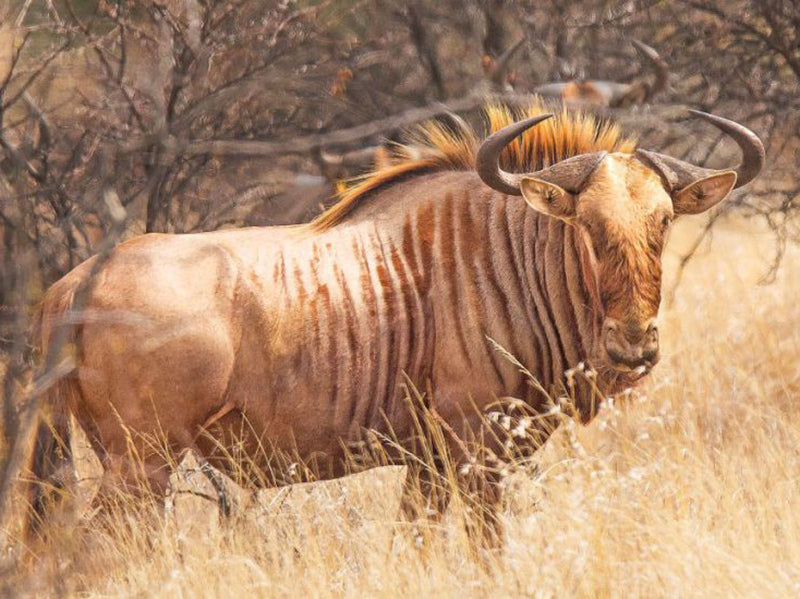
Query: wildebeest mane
[453,145]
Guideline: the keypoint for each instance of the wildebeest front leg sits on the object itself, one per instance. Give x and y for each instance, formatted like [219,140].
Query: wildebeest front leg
[483,500]
[426,493]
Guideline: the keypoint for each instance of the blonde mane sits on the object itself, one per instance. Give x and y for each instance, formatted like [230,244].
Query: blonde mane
[435,146]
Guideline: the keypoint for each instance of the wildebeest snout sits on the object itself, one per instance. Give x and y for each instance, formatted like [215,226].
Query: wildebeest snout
[630,346]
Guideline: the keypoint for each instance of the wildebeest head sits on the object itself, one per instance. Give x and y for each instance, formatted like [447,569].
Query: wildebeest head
[622,205]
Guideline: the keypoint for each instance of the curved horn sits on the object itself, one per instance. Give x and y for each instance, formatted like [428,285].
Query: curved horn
[658,64]
[568,174]
[678,174]
[486,162]
[753,155]
[503,61]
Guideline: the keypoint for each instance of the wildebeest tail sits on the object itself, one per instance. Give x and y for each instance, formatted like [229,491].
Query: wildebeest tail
[51,464]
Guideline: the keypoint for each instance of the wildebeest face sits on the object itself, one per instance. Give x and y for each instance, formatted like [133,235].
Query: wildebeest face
[623,215]
[621,204]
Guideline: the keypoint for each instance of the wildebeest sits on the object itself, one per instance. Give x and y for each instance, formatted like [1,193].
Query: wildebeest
[613,93]
[303,337]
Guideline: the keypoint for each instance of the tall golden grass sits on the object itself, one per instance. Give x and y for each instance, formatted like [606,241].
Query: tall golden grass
[689,488]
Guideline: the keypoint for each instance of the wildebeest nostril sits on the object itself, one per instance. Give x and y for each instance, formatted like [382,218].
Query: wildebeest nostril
[650,345]
[638,336]
[631,346]
[631,360]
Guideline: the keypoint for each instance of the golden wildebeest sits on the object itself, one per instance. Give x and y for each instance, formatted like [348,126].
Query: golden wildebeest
[612,93]
[301,338]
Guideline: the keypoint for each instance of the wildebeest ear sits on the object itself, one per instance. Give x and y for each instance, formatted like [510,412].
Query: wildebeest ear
[701,195]
[547,198]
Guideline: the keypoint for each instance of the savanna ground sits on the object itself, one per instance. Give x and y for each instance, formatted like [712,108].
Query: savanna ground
[688,488]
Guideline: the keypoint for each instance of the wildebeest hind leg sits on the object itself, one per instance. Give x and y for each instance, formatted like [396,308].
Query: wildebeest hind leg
[216,481]
[137,478]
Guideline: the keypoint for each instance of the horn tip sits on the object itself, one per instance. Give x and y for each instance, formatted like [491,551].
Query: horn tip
[539,118]
[645,49]
[707,116]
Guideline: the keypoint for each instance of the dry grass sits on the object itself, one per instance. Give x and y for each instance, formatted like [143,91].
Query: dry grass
[688,489]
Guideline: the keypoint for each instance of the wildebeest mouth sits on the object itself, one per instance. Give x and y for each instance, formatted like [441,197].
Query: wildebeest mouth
[632,373]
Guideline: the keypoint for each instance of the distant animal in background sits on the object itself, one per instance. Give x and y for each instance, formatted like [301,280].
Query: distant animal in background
[612,93]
